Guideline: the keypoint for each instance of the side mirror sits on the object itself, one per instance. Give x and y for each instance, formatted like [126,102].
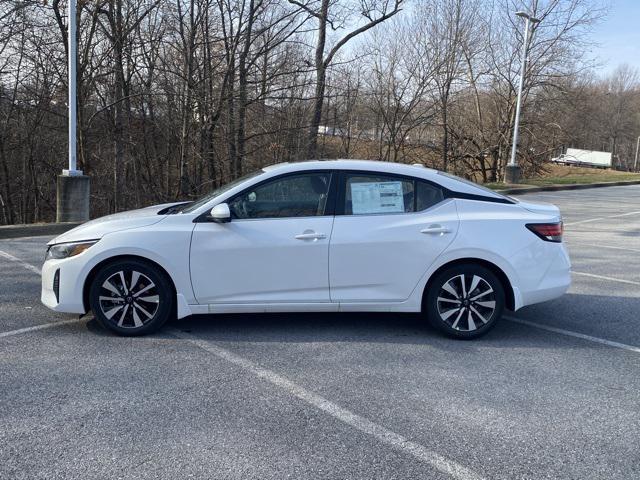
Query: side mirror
[220,213]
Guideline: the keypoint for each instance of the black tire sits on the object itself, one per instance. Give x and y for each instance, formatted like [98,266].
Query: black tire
[464,312]
[139,311]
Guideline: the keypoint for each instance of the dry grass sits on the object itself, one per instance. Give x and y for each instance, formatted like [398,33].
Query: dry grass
[565,175]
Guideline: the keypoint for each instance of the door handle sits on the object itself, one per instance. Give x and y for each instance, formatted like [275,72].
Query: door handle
[435,230]
[310,236]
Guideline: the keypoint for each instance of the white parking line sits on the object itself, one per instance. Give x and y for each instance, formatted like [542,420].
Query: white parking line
[382,434]
[26,265]
[584,221]
[39,327]
[36,270]
[602,277]
[578,244]
[570,333]
[589,220]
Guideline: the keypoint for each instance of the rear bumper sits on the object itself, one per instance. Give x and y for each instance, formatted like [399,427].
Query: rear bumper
[554,283]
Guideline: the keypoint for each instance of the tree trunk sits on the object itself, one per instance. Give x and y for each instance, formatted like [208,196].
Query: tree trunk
[242,89]
[321,78]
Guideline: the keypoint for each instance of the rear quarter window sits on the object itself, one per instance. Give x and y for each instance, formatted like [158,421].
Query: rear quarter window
[479,189]
[427,195]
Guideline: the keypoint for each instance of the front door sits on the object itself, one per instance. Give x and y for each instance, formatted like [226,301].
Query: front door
[274,250]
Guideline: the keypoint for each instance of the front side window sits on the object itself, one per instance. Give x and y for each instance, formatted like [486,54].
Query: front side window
[193,206]
[378,194]
[301,195]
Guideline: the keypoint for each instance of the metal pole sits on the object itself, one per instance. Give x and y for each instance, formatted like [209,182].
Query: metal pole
[635,162]
[73,188]
[73,114]
[516,125]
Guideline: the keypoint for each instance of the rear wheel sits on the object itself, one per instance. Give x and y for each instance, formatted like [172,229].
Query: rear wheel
[465,301]
[131,297]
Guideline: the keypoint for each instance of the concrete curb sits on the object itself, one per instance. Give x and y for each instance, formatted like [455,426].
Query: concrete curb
[571,186]
[36,229]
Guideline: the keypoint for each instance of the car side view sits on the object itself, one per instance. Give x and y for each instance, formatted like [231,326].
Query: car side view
[321,236]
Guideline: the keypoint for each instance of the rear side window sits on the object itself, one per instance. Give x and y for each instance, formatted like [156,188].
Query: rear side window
[378,194]
[385,194]
[427,195]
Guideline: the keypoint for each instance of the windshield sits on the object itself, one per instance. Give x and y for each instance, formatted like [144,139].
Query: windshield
[190,207]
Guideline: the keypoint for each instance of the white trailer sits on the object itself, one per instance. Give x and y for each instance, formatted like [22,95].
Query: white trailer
[585,158]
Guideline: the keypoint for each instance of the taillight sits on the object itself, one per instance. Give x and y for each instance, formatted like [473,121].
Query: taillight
[551,232]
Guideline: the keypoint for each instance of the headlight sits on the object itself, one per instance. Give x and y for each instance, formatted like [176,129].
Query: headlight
[66,250]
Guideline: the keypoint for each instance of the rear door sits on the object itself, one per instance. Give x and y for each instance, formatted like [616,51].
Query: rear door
[387,231]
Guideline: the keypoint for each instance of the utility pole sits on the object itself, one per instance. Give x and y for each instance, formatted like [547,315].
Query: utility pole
[72,203]
[512,173]
[635,162]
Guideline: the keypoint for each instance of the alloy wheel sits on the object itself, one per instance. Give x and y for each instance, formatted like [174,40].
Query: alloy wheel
[466,302]
[129,298]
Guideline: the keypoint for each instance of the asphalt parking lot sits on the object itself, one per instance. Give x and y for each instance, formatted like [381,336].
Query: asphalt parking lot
[552,392]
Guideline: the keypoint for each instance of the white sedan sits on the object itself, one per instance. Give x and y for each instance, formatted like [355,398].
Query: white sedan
[322,236]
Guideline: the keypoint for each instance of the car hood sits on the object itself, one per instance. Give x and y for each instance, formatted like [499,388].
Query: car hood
[99,227]
[541,208]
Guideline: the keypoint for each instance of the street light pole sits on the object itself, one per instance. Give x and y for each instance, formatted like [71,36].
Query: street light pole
[512,174]
[635,162]
[73,80]
[72,203]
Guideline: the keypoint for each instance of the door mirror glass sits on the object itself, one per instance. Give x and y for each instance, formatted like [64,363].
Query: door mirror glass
[221,213]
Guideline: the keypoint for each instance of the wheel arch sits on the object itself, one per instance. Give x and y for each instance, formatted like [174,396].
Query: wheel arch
[497,271]
[103,263]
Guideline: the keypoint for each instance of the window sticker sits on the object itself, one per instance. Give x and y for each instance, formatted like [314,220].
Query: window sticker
[377,197]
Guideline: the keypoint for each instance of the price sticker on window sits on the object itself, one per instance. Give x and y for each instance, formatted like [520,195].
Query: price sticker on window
[377,197]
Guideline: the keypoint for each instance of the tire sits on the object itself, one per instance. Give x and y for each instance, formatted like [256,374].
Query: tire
[141,306]
[465,313]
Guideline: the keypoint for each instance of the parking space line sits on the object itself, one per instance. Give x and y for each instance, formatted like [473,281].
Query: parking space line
[38,327]
[26,265]
[570,333]
[588,220]
[602,277]
[578,244]
[584,221]
[382,434]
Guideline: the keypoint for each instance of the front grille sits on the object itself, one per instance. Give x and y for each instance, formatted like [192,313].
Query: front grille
[56,285]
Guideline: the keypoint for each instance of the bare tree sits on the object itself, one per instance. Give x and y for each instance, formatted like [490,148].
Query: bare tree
[334,15]
[176,97]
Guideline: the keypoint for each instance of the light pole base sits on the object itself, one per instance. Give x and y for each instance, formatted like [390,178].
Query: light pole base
[72,203]
[512,174]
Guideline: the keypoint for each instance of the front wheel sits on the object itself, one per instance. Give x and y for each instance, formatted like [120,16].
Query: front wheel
[465,301]
[131,297]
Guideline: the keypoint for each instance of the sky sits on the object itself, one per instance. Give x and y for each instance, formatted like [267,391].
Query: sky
[618,36]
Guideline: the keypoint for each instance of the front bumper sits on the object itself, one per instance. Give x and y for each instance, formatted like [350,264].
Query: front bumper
[68,297]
